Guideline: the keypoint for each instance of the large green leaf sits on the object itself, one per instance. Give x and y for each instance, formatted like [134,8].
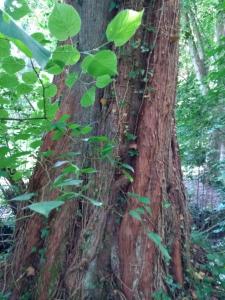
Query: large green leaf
[102,63]
[16,8]
[123,26]
[8,81]
[88,99]
[44,208]
[13,64]
[4,47]
[30,77]
[64,21]
[23,89]
[24,41]
[66,54]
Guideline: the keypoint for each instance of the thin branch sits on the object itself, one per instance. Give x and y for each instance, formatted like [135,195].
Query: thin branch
[43,88]
[22,119]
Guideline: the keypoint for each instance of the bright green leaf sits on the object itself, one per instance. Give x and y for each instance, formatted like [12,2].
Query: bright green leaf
[64,21]
[8,81]
[29,77]
[4,47]
[51,90]
[67,54]
[16,8]
[123,26]
[12,64]
[102,63]
[103,81]
[54,67]
[23,89]
[3,114]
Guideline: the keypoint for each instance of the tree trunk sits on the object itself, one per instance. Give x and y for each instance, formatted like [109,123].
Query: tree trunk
[197,57]
[104,253]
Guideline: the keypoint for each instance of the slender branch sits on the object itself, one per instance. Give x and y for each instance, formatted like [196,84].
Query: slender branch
[22,119]
[29,103]
[43,88]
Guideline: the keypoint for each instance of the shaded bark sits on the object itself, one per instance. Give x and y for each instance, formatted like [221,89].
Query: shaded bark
[104,253]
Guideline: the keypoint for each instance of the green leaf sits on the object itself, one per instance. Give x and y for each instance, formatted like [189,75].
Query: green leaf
[36,144]
[4,100]
[24,197]
[127,167]
[44,208]
[40,38]
[8,81]
[123,26]
[88,170]
[4,47]
[16,8]
[22,40]
[29,77]
[54,67]
[67,54]
[64,21]
[51,90]
[3,113]
[69,182]
[71,79]
[141,199]
[12,64]
[103,81]
[136,213]
[158,242]
[88,99]
[23,89]
[4,150]
[102,63]
[97,139]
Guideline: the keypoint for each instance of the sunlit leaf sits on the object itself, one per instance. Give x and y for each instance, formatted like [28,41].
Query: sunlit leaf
[16,8]
[64,21]
[13,64]
[103,81]
[102,63]
[123,26]
[68,54]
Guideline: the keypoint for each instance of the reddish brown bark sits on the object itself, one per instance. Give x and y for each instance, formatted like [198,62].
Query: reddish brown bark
[155,169]
[105,253]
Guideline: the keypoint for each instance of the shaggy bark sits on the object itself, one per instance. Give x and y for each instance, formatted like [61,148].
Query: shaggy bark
[104,253]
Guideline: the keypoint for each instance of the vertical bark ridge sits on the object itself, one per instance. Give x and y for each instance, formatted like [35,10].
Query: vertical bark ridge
[155,130]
